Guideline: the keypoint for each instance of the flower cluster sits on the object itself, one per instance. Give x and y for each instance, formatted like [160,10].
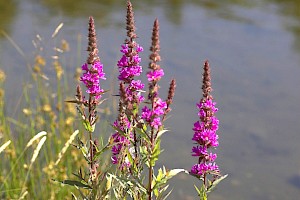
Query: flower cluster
[205,130]
[155,75]
[153,116]
[129,67]
[91,78]
[129,64]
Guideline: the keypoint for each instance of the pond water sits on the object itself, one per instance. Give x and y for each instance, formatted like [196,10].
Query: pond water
[253,48]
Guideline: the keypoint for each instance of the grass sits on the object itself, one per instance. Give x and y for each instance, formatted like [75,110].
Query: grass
[35,146]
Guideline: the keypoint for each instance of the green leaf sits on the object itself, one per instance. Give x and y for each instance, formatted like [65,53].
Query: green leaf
[156,192]
[160,133]
[163,176]
[174,172]
[74,183]
[130,184]
[143,133]
[155,154]
[144,153]
[131,160]
[197,189]
[116,128]
[215,183]
[135,109]
[201,192]
[99,152]
[88,126]
[84,151]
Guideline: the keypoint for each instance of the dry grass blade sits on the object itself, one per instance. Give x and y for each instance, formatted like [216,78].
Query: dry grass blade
[13,43]
[64,149]
[37,150]
[23,195]
[19,50]
[57,29]
[2,148]
[37,136]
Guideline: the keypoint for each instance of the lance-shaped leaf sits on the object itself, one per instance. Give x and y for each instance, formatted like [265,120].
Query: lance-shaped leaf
[119,130]
[131,184]
[160,133]
[201,192]
[88,126]
[155,154]
[74,183]
[99,152]
[215,183]
[143,132]
[163,176]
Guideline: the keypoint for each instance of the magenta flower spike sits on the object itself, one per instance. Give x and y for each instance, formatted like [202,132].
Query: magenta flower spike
[93,69]
[92,73]
[205,129]
[129,64]
[130,91]
[153,116]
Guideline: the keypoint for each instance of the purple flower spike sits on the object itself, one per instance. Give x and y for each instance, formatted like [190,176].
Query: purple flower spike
[130,92]
[205,130]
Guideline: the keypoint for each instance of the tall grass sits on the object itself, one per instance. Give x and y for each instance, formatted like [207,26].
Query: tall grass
[29,161]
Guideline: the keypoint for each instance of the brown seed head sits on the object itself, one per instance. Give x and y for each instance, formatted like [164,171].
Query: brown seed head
[92,45]
[206,87]
[155,48]
[79,96]
[171,92]
[130,27]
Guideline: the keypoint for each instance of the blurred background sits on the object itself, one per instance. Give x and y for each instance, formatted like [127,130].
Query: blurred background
[253,48]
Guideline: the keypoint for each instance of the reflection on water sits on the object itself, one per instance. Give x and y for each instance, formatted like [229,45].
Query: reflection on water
[104,10]
[291,9]
[255,68]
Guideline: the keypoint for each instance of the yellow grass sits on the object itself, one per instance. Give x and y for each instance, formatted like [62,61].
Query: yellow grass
[65,148]
[2,148]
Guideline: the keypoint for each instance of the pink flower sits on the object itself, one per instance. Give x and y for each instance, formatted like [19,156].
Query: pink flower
[91,78]
[155,75]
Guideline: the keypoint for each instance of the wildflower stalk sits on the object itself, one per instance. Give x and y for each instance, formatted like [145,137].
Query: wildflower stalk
[130,94]
[205,138]
[153,90]
[93,72]
[155,115]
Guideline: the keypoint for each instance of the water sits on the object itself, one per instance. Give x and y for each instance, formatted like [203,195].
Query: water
[253,48]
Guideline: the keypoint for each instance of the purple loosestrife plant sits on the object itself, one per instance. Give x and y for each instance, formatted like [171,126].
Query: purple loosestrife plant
[92,73]
[138,133]
[130,95]
[206,138]
[153,117]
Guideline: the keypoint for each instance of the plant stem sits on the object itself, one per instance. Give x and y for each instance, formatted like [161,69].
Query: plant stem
[150,167]
[91,152]
[91,141]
